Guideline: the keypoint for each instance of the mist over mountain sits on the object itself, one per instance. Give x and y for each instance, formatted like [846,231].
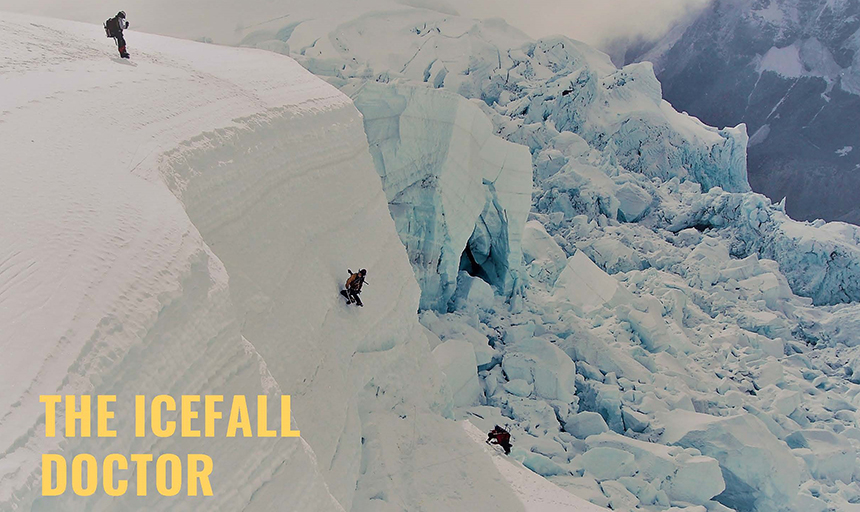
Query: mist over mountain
[790,70]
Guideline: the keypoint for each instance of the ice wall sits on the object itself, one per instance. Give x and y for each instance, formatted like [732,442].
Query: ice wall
[107,286]
[532,89]
[820,260]
[458,195]
[617,110]
[198,246]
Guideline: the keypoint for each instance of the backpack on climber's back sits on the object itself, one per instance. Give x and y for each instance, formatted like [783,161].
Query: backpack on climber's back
[112,27]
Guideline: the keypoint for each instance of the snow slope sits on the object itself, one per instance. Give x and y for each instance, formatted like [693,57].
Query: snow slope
[181,224]
[536,493]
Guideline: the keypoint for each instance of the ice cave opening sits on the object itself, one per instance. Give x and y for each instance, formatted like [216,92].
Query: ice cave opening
[487,252]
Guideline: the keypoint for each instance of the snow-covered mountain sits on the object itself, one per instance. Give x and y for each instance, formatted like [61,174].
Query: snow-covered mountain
[655,335]
[790,70]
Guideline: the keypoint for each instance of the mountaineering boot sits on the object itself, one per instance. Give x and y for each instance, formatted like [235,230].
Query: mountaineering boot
[122,53]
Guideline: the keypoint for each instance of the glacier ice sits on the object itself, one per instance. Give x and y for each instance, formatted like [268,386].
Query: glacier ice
[124,296]
[543,257]
[633,420]
[542,363]
[585,424]
[650,264]
[759,470]
[820,260]
[828,455]
[536,89]
[633,201]
[648,303]
[458,194]
[456,359]
[607,463]
[587,287]
[782,68]
[683,476]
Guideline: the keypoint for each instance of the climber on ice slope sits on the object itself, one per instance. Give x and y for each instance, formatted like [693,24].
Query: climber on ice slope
[114,27]
[500,437]
[353,286]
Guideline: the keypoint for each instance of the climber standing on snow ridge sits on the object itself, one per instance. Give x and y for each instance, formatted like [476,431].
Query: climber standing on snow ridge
[114,28]
[500,437]
[353,286]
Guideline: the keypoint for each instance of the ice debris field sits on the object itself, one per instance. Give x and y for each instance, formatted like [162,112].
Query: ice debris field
[551,247]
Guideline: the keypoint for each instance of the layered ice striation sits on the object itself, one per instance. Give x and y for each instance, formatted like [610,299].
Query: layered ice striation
[108,287]
[458,194]
[197,247]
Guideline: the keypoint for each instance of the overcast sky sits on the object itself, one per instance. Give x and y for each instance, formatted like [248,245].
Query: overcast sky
[592,21]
